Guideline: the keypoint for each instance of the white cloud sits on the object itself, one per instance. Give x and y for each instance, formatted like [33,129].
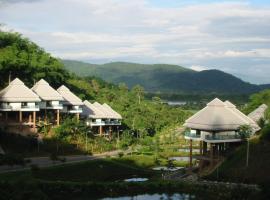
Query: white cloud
[198,68]
[222,34]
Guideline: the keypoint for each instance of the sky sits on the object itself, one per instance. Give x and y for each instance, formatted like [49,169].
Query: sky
[232,36]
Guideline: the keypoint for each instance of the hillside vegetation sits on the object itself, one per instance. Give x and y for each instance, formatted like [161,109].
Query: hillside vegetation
[21,58]
[165,78]
[234,169]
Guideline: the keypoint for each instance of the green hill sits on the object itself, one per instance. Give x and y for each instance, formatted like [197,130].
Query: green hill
[19,57]
[165,78]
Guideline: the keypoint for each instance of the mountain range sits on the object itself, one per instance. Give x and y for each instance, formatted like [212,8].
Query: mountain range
[165,78]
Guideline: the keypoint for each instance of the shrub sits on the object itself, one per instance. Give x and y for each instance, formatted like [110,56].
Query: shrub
[265,133]
[120,154]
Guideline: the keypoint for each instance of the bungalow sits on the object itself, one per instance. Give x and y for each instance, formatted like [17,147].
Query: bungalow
[258,113]
[116,117]
[94,116]
[217,125]
[51,100]
[17,99]
[72,103]
[102,116]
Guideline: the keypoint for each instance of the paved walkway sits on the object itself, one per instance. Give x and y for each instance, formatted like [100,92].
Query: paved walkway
[47,162]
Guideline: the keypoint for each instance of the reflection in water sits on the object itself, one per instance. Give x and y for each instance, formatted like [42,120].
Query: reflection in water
[176,196]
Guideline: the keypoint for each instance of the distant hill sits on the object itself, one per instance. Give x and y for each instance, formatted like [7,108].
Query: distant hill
[165,78]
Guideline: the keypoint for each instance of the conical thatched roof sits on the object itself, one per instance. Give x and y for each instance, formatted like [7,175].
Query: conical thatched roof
[69,97]
[259,113]
[16,91]
[116,114]
[108,113]
[91,111]
[249,121]
[215,117]
[46,92]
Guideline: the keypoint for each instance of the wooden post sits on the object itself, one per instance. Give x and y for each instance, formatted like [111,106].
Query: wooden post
[118,136]
[34,119]
[110,130]
[30,118]
[190,154]
[78,116]
[100,131]
[20,116]
[204,148]
[45,120]
[211,155]
[57,117]
[201,148]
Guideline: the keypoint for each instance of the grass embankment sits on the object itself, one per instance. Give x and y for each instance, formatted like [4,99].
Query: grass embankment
[234,169]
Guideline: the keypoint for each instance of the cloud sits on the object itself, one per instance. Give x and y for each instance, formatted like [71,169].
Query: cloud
[198,68]
[230,36]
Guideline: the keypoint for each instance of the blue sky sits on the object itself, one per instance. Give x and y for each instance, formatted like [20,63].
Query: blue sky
[233,36]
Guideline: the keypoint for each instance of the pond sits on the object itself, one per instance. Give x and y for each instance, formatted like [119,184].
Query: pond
[176,196]
[187,150]
[181,158]
[171,169]
[136,180]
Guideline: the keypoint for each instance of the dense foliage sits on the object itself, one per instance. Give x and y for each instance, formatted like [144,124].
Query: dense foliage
[166,78]
[258,99]
[23,59]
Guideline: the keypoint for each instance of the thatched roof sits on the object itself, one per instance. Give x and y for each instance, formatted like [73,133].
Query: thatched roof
[46,92]
[249,121]
[259,113]
[116,114]
[215,117]
[91,111]
[69,97]
[16,91]
[108,113]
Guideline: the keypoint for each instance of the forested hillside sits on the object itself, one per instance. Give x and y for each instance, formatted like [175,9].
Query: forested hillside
[166,78]
[21,58]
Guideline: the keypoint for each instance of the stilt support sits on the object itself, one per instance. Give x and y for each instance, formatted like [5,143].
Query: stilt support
[20,116]
[34,119]
[100,131]
[211,155]
[190,154]
[57,117]
[78,116]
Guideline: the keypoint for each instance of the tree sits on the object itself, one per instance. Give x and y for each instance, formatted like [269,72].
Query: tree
[139,91]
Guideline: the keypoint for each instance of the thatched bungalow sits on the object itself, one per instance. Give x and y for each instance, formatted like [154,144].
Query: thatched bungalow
[17,99]
[217,125]
[258,113]
[72,103]
[51,100]
[102,116]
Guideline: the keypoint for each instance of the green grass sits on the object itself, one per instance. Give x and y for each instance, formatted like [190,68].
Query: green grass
[96,170]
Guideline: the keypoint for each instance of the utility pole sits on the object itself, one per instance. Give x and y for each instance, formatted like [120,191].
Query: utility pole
[9,77]
[247,152]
